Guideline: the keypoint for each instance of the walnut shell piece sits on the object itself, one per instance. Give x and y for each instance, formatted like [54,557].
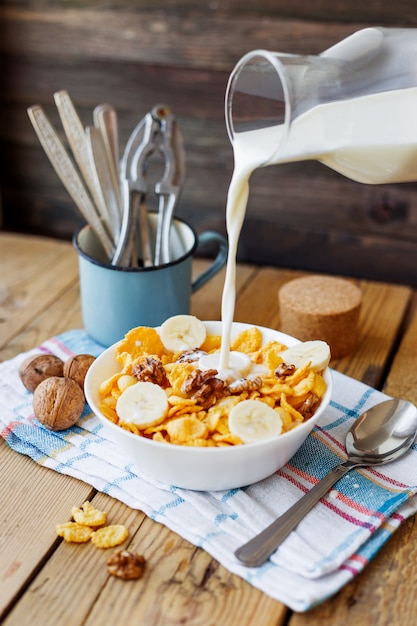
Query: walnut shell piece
[58,402]
[126,565]
[76,367]
[38,367]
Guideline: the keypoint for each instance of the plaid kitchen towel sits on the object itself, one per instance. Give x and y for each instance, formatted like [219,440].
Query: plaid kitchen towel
[328,548]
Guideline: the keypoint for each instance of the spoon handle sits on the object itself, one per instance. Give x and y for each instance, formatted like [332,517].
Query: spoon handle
[257,550]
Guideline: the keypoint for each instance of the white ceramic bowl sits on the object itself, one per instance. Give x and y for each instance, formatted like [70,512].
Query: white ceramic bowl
[203,469]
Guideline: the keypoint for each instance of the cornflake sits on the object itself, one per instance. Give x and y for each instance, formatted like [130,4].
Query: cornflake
[89,524]
[110,536]
[87,515]
[74,532]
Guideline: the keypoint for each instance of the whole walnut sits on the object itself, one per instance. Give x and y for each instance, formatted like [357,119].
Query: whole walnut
[38,367]
[76,367]
[58,402]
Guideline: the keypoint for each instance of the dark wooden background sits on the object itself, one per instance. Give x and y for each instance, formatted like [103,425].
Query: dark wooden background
[134,54]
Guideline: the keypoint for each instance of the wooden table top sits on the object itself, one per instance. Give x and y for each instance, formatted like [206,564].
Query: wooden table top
[44,581]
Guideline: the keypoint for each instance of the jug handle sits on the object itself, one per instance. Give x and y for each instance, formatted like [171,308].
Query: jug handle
[355,46]
[210,236]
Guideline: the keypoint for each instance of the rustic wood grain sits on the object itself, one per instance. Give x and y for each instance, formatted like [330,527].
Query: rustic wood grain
[39,501]
[165,37]
[384,308]
[25,288]
[206,303]
[135,54]
[402,13]
[66,315]
[402,378]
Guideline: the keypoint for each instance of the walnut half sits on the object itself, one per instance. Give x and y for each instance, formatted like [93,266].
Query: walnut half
[203,387]
[283,370]
[245,384]
[150,369]
[126,565]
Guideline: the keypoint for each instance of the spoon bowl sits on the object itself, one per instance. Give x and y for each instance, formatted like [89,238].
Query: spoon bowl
[380,435]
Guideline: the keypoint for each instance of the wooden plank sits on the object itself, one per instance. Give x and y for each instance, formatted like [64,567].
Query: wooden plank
[40,502]
[402,377]
[325,10]
[166,38]
[383,311]
[64,314]
[258,303]
[331,251]
[206,303]
[184,584]
[215,40]
[132,87]
[32,267]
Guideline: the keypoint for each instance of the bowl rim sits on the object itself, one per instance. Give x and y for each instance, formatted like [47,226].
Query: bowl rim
[295,432]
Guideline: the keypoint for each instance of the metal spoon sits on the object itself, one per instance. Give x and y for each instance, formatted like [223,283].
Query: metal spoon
[380,435]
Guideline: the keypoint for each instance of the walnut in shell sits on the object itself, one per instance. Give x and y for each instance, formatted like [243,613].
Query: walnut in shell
[38,367]
[58,402]
[76,367]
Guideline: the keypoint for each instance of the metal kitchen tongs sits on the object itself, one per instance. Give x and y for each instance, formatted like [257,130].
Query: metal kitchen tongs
[158,130]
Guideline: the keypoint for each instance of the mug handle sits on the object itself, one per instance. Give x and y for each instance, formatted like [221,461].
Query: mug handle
[210,236]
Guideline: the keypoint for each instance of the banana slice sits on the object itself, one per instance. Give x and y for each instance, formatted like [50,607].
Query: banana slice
[317,352]
[182,332]
[253,420]
[144,404]
[238,366]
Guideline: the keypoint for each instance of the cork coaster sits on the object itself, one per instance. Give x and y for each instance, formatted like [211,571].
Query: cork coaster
[321,307]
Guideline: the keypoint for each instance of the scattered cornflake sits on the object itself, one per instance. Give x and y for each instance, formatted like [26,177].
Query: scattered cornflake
[74,532]
[110,536]
[87,515]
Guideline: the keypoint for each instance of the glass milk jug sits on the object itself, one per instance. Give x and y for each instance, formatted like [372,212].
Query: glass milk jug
[353,107]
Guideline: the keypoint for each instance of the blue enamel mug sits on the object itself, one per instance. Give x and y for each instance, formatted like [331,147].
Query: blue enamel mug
[116,299]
